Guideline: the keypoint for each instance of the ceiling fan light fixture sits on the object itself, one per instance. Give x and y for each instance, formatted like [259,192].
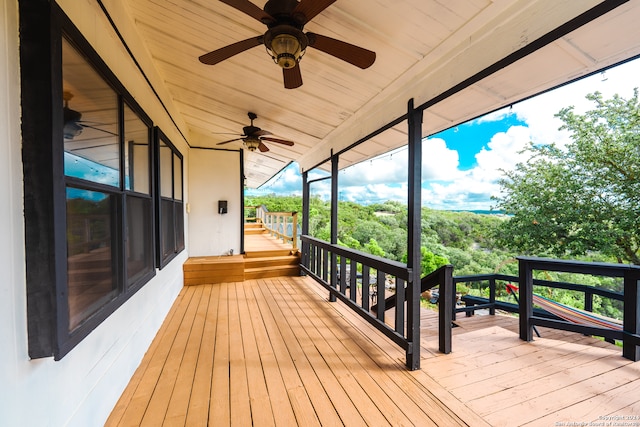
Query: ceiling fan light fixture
[286,50]
[252,143]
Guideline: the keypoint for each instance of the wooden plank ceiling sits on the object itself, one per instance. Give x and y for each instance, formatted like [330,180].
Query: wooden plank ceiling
[423,48]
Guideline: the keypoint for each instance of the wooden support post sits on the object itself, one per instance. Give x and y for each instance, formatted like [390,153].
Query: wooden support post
[446,307]
[630,350]
[334,215]
[492,296]
[305,218]
[526,299]
[414,118]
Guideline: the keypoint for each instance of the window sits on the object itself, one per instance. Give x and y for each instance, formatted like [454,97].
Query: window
[170,205]
[107,154]
[89,188]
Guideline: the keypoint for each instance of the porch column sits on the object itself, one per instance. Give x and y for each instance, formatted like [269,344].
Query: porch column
[630,348]
[242,180]
[334,221]
[414,217]
[305,217]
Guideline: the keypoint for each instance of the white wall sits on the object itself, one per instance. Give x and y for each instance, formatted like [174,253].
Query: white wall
[214,175]
[82,388]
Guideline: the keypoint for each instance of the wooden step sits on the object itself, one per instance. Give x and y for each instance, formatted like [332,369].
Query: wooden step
[272,253]
[271,261]
[255,231]
[215,269]
[238,268]
[273,271]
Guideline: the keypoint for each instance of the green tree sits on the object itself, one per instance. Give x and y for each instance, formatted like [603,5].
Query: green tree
[569,201]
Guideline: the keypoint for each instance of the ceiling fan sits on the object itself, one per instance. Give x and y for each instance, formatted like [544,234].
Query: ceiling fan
[73,123]
[285,40]
[253,137]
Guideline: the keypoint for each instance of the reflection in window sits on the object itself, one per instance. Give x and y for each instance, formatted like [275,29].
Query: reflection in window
[139,251]
[171,216]
[90,253]
[90,121]
[166,170]
[136,152]
[177,178]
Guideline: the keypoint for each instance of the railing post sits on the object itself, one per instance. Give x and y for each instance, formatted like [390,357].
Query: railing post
[631,324]
[446,306]
[492,295]
[294,231]
[588,301]
[526,299]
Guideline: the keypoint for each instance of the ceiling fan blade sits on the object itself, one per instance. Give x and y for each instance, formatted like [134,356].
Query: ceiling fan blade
[261,132]
[263,148]
[250,9]
[97,128]
[348,52]
[227,52]
[279,141]
[226,142]
[292,77]
[310,8]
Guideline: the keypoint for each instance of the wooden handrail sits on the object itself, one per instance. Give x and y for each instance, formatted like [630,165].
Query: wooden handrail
[283,225]
[359,279]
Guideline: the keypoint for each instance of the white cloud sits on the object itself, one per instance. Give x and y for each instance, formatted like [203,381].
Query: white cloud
[445,186]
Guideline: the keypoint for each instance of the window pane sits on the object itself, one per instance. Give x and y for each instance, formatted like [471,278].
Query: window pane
[91,264]
[91,143]
[179,226]
[177,179]
[168,229]
[136,152]
[166,173]
[138,248]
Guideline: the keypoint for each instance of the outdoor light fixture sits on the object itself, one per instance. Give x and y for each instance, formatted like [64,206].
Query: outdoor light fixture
[252,143]
[286,45]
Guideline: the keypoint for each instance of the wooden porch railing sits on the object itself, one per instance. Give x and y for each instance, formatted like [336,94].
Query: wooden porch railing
[283,225]
[530,316]
[359,279]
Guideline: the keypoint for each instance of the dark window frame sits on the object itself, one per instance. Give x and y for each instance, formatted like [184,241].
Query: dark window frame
[43,26]
[177,205]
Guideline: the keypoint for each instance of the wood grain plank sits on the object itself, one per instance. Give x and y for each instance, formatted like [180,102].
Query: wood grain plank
[158,404]
[301,404]
[219,409]
[261,411]
[124,410]
[198,410]
[150,374]
[327,413]
[383,392]
[183,388]
[239,400]
[282,407]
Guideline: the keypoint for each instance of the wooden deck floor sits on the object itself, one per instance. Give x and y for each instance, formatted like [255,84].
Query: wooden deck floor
[275,352]
[264,242]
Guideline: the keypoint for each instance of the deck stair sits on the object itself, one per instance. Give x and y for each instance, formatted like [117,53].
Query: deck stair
[254,228]
[264,257]
[274,263]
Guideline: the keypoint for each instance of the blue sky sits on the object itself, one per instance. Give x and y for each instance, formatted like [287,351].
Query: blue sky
[461,165]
